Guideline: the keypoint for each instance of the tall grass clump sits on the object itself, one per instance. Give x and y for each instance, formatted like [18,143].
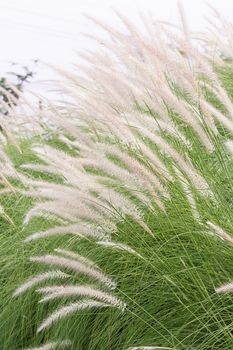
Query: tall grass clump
[128,206]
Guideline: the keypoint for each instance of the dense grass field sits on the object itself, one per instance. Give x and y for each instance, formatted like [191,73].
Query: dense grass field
[169,249]
[169,288]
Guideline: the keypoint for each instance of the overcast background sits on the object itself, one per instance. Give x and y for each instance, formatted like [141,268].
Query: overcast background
[51,30]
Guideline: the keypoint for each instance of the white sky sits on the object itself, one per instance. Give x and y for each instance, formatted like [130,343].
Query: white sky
[50,30]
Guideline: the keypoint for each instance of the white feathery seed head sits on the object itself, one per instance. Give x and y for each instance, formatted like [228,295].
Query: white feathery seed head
[52,345]
[33,281]
[68,310]
[76,266]
[53,292]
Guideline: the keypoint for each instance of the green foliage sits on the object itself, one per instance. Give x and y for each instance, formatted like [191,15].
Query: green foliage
[169,286]
[169,289]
